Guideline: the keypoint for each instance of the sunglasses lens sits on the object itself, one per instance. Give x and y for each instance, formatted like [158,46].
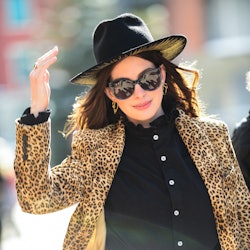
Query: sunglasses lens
[124,88]
[151,79]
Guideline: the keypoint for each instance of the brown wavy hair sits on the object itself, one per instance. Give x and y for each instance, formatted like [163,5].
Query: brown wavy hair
[94,110]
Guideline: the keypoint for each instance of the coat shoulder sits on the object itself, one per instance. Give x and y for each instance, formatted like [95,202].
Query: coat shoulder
[111,136]
[112,129]
[212,123]
[207,123]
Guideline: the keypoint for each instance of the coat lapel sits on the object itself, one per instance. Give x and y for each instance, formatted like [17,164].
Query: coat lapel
[200,148]
[203,152]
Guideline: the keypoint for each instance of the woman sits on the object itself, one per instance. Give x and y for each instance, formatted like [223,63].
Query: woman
[147,171]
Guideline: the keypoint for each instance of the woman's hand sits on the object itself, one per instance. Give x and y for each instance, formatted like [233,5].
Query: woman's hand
[39,82]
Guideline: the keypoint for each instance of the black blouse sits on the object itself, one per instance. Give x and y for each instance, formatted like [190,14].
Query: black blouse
[158,199]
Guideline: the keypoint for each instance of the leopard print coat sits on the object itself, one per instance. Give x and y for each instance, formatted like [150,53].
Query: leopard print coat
[86,175]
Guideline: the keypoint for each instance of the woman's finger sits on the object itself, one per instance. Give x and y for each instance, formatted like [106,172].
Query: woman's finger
[46,60]
[51,53]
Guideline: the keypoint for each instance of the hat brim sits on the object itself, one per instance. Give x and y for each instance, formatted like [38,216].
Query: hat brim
[170,47]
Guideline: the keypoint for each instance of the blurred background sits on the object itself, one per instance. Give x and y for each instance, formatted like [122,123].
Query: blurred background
[218,43]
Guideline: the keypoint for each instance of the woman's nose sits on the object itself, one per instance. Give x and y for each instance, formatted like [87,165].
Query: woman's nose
[139,91]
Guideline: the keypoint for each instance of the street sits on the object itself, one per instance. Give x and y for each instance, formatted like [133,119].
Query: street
[35,232]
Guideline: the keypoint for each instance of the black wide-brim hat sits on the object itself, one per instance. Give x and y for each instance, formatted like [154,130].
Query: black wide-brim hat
[126,35]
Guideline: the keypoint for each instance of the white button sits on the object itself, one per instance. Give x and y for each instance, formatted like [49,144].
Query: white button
[163,158]
[180,243]
[155,137]
[171,182]
[176,212]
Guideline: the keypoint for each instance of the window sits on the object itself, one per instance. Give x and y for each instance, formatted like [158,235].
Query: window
[228,18]
[18,12]
[228,26]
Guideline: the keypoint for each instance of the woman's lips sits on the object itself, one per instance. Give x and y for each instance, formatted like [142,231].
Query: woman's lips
[142,106]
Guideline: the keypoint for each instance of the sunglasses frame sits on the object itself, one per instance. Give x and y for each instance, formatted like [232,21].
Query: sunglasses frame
[143,75]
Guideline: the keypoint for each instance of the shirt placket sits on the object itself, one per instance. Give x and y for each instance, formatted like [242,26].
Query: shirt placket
[164,156]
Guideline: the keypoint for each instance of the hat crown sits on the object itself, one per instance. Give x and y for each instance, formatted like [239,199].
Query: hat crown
[126,35]
[114,37]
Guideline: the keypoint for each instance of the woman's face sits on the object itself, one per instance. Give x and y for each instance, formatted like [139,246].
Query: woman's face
[143,106]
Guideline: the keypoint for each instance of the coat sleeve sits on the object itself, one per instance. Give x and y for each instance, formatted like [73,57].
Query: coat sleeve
[237,193]
[40,188]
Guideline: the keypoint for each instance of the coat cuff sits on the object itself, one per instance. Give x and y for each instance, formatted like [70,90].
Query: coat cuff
[29,119]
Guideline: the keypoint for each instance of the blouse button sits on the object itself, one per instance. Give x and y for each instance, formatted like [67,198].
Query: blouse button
[163,158]
[171,182]
[156,137]
[180,243]
[176,212]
